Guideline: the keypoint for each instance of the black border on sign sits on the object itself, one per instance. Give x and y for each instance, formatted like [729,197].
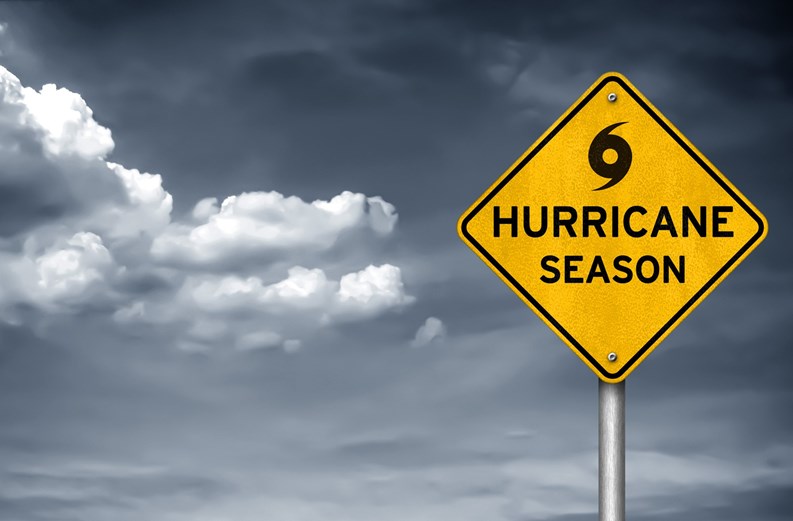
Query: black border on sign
[700,161]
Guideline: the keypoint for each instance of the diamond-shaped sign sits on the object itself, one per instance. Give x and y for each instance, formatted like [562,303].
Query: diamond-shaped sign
[612,227]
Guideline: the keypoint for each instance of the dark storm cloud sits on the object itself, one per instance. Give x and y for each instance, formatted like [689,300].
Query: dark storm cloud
[17,216]
[35,191]
[772,504]
[404,80]
[51,497]
[278,77]
[309,80]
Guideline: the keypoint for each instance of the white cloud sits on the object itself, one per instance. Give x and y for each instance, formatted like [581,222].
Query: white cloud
[205,208]
[67,276]
[66,122]
[259,340]
[432,330]
[148,208]
[255,315]
[68,272]
[268,222]
[92,228]
[370,291]
[302,289]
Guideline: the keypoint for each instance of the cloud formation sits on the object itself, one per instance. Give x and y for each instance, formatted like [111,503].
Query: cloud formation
[248,313]
[98,229]
[263,223]
[432,330]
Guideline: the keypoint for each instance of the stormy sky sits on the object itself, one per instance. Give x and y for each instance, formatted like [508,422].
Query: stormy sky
[232,288]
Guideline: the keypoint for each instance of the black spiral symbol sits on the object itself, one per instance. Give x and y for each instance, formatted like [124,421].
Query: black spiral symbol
[615,171]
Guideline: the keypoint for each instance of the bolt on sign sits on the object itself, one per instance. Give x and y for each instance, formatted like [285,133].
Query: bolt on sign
[612,227]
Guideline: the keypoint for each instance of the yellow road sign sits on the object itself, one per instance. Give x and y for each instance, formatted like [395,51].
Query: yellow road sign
[612,227]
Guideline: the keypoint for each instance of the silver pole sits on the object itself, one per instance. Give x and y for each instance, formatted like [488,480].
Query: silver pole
[611,461]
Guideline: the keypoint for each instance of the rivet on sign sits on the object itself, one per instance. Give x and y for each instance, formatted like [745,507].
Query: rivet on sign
[612,97]
[612,357]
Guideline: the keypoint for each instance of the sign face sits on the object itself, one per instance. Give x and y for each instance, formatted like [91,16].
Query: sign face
[612,227]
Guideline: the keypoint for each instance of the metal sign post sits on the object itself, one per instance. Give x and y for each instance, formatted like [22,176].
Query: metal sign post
[611,457]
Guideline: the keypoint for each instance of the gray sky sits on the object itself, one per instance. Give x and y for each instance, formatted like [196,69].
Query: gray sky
[316,343]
